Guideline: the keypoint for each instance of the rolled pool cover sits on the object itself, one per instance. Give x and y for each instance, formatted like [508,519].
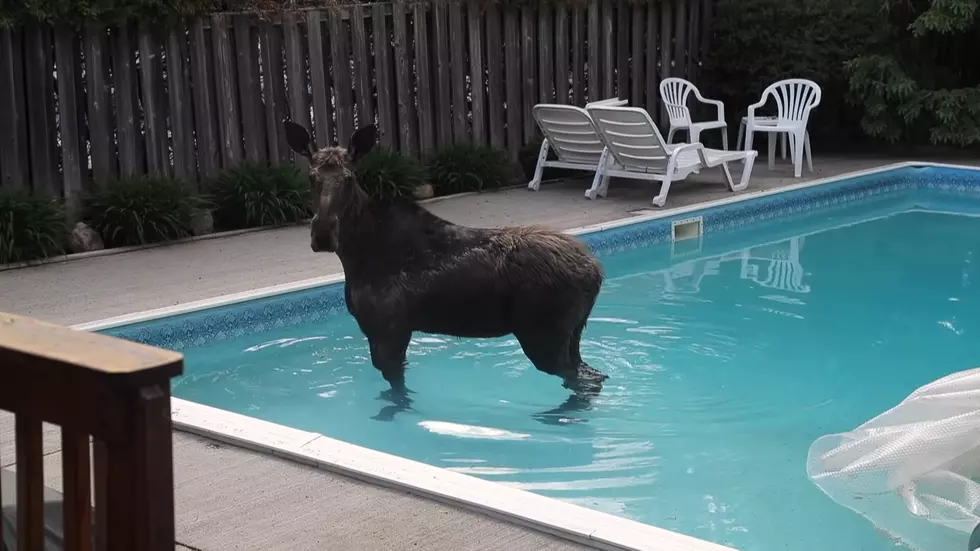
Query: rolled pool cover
[912,471]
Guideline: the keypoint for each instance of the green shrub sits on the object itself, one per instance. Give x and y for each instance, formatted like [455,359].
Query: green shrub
[757,42]
[254,194]
[143,209]
[467,167]
[386,174]
[31,228]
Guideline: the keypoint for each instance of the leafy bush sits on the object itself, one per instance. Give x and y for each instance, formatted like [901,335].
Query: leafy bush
[467,167]
[31,228]
[925,86]
[254,194]
[386,174]
[757,42]
[143,209]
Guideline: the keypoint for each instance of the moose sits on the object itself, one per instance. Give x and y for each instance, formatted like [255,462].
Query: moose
[408,270]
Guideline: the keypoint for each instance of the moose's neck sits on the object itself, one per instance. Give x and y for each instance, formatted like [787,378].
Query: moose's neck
[379,238]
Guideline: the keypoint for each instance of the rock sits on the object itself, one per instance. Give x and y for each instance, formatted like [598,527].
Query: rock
[424,191]
[84,239]
[203,222]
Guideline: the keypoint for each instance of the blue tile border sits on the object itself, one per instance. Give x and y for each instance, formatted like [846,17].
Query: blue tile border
[197,329]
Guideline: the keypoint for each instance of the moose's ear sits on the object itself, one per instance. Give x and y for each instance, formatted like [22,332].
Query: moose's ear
[362,142]
[298,138]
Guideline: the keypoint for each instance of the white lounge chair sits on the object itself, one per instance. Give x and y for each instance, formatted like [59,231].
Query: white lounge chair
[634,148]
[795,98]
[675,92]
[568,131]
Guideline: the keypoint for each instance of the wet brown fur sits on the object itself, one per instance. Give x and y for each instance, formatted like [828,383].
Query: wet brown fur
[409,270]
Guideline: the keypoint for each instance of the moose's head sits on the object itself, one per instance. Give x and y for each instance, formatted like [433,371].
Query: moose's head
[332,182]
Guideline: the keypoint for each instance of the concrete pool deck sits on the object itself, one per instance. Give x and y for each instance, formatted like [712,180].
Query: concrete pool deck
[232,498]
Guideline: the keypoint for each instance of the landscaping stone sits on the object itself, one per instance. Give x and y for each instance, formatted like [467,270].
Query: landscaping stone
[203,223]
[423,192]
[84,239]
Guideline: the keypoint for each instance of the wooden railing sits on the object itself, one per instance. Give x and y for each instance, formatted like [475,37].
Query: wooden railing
[107,392]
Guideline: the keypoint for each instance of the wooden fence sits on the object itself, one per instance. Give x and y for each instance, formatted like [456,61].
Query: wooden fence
[79,107]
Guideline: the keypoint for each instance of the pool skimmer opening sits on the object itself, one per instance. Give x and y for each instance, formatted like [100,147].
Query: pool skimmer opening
[685,236]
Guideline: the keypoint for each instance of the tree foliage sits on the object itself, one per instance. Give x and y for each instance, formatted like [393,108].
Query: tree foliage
[926,84]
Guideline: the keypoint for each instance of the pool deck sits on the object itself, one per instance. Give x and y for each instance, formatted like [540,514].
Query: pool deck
[231,498]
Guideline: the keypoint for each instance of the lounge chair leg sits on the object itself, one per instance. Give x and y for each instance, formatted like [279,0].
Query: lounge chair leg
[724,138]
[661,198]
[741,134]
[746,172]
[598,180]
[798,154]
[535,183]
[773,136]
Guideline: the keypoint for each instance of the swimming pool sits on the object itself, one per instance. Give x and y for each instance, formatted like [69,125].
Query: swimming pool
[796,314]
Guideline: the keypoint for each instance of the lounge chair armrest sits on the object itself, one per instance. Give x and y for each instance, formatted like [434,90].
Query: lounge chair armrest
[754,106]
[694,146]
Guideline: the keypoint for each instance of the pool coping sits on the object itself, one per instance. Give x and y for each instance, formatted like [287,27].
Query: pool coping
[546,514]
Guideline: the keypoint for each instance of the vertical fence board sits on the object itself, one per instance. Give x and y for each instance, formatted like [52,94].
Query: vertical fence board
[403,78]
[623,49]
[653,34]
[154,116]
[14,160]
[478,98]
[99,104]
[131,156]
[608,63]
[495,77]
[578,56]
[322,110]
[443,72]
[561,54]
[340,76]
[205,129]
[546,55]
[274,91]
[512,79]
[40,111]
[693,57]
[424,80]
[364,91]
[680,40]
[387,121]
[299,103]
[229,118]
[71,157]
[529,69]
[593,91]
[253,123]
[704,28]
[458,62]
[181,127]
[666,18]
[636,56]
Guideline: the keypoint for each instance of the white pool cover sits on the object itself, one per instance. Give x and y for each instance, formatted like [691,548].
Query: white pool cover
[913,470]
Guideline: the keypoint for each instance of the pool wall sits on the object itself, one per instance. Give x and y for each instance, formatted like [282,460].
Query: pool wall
[198,323]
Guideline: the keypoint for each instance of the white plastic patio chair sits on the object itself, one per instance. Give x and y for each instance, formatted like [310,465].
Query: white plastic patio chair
[568,131]
[795,98]
[634,148]
[675,92]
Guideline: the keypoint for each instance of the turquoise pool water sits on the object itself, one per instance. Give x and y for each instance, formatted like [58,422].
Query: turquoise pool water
[723,367]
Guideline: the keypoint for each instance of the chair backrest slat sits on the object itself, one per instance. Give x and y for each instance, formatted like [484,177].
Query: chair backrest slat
[570,132]
[795,98]
[674,93]
[631,136]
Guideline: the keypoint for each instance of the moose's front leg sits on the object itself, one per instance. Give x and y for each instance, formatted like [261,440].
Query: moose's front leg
[388,357]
